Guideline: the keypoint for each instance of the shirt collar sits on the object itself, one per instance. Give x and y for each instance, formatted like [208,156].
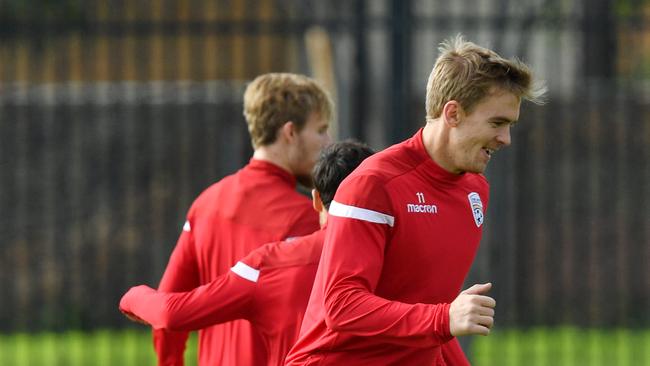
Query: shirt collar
[270,168]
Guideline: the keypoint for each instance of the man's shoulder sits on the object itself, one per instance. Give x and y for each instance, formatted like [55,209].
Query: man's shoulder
[386,165]
[366,187]
[215,188]
[238,189]
[303,250]
[269,261]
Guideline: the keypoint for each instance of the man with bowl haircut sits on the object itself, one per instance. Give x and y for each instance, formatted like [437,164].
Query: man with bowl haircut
[288,117]
[405,226]
[269,287]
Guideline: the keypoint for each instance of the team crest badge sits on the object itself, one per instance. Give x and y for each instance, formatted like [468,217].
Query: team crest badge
[477,208]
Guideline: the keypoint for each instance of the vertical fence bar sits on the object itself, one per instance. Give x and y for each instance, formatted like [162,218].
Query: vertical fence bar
[594,236]
[360,73]
[400,46]
[568,253]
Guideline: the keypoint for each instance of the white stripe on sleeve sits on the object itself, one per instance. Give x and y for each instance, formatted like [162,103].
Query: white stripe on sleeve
[187,226]
[243,270]
[341,210]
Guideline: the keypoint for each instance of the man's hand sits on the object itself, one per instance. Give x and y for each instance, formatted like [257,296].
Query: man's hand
[130,296]
[134,318]
[472,312]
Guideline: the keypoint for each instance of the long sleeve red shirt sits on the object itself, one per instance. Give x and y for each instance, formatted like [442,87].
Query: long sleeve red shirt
[402,234]
[452,354]
[269,287]
[256,205]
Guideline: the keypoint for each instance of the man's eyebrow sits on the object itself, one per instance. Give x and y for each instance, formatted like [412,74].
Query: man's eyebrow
[503,119]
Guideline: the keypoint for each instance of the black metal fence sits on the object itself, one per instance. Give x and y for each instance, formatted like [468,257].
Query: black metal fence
[94,190]
[568,230]
[114,116]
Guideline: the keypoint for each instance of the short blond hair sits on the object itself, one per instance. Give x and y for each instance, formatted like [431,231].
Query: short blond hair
[467,73]
[273,99]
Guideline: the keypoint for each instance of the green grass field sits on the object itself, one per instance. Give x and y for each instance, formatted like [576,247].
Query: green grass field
[72,348]
[564,346]
[552,347]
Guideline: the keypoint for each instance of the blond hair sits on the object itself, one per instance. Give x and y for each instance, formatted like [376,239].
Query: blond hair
[467,73]
[273,99]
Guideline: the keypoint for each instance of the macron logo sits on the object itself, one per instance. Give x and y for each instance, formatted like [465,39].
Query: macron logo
[421,207]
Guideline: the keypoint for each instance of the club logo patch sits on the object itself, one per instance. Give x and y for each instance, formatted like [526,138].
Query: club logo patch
[477,208]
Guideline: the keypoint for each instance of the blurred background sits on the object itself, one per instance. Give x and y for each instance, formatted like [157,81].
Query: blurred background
[115,115]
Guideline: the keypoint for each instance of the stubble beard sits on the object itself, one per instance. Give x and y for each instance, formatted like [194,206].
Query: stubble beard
[303,175]
[305,180]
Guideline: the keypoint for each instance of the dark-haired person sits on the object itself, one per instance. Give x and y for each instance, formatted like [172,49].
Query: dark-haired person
[269,287]
[405,226]
[288,117]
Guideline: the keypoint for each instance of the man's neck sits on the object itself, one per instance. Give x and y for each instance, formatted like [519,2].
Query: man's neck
[436,142]
[273,154]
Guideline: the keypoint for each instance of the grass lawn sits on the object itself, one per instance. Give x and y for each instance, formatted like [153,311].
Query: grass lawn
[563,347]
[542,346]
[73,348]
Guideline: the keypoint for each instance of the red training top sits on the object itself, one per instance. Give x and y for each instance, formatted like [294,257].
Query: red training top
[452,354]
[402,234]
[256,205]
[270,288]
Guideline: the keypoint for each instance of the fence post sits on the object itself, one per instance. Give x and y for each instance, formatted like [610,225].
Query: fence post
[400,74]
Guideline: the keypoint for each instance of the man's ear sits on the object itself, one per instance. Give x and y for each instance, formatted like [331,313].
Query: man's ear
[452,113]
[288,131]
[316,200]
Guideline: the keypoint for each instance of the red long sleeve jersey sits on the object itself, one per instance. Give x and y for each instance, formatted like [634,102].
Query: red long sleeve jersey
[256,205]
[270,288]
[402,234]
[452,354]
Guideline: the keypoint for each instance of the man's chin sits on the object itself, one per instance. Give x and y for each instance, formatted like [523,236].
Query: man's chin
[476,169]
[479,170]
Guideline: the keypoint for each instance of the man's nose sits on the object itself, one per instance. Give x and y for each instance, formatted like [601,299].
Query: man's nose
[504,136]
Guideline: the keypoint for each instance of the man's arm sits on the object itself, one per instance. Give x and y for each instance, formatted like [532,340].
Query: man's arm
[351,306]
[224,299]
[181,274]
[453,354]
[305,223]
[359,227]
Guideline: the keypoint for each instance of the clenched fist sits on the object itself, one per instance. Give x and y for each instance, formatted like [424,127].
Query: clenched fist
[472,312]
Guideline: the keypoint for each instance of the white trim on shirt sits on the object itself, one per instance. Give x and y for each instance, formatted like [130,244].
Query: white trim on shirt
[341,210]
[245,271]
